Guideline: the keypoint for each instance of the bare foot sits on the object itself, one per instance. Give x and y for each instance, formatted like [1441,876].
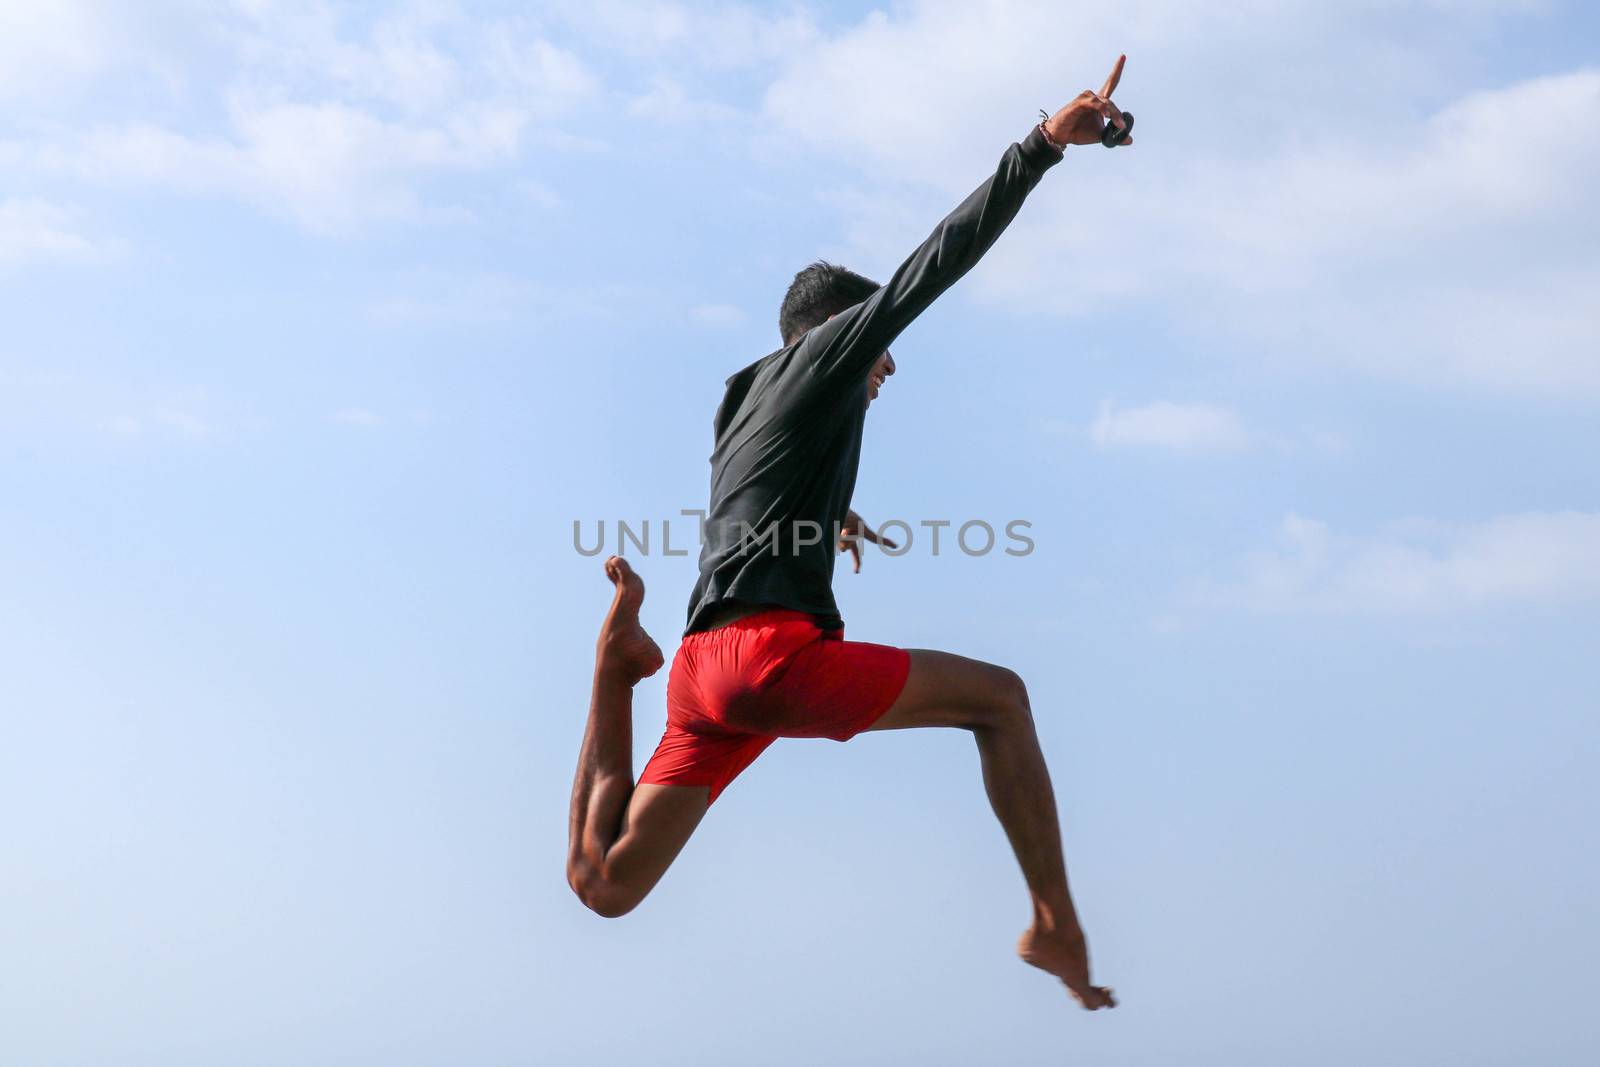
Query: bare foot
[1065,954]
[624,647]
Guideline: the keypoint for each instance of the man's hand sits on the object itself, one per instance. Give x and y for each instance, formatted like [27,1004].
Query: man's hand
[1083,120]
[850,534]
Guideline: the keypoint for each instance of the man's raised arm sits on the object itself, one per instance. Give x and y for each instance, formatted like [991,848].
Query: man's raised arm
[847,344]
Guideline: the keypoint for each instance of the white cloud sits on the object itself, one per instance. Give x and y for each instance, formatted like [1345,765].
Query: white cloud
[329,128]
[711,36]
[190,413]
[175,421]
[185,423]
[928,83]
[399,61]
[329,166]
[47,44]
[1460,254]
[719,315]
[435,298]
[1163,424]
[667,101]
[540,194]
[358,417]
[1418,566]
[32,230]
[423,59]
[337,117]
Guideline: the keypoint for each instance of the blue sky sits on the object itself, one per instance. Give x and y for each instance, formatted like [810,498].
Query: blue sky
[324,323]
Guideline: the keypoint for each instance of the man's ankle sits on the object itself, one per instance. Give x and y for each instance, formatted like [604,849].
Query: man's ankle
[613,670]
[1056,918]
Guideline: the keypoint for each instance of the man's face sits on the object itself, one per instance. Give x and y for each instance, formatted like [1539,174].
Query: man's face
[880,371]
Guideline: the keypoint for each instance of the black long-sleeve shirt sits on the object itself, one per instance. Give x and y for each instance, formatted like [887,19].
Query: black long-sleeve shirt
[788,432]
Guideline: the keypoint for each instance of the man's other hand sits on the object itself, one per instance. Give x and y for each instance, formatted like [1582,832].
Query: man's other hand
[855,528]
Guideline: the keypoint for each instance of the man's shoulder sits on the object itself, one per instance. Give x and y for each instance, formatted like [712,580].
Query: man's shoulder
[772,361]
[759,383]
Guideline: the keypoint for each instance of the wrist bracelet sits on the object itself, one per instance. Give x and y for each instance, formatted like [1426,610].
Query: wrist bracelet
[1043,118]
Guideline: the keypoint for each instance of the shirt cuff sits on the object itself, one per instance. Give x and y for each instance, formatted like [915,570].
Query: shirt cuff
[1037,151]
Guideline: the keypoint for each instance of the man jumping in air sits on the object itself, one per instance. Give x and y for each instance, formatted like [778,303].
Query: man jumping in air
[764,654]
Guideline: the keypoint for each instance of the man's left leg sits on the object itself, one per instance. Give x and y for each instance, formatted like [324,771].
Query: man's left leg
[623,837]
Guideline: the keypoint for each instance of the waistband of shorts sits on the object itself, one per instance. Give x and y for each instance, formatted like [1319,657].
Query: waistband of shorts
[768,617]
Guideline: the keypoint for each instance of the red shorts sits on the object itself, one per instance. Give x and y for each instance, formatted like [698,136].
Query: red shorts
[736,689]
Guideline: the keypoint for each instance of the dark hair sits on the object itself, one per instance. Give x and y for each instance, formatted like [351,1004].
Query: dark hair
[820,290]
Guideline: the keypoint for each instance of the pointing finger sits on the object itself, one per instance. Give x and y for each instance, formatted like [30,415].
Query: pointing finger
[876,538]
[1116,76]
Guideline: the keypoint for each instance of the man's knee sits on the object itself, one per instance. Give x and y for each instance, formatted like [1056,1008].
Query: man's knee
[1013,689]
[1005,704]
[610,902]
[605,897]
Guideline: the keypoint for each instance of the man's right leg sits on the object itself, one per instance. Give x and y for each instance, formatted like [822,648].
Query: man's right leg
[623,837]
[947,690]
